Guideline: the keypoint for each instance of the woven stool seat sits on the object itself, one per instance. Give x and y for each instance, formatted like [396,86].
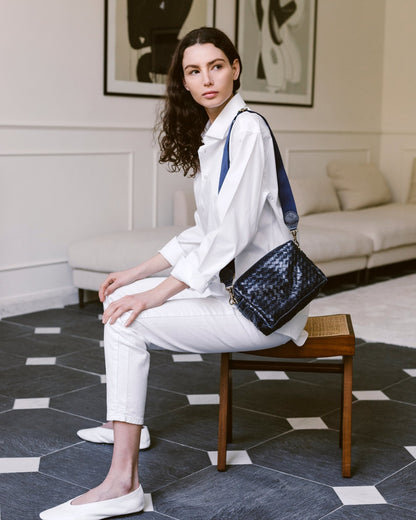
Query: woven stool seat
[328,336]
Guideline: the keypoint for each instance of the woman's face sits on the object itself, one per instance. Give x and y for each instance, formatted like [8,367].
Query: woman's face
[209,76]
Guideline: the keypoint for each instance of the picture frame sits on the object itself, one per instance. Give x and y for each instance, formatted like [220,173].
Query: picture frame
[276,42]
[140,37]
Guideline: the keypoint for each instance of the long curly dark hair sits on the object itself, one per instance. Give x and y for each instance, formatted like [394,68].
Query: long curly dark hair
[182,119]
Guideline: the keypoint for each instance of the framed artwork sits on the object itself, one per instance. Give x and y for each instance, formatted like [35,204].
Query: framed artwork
[276,41]
[140,38]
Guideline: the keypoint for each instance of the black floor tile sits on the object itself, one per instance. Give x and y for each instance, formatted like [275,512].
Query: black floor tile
[43,381]
[32,433]
[197,426]
[316,455]
[9,360]
[45,345]
[53,318]
[245,492]
[12,330]
[400,488]
[385,421]
[160,402]
[287,398]
[404,391]
[192,378]
[88,402]
[90,360]
[370,512]
[24,495]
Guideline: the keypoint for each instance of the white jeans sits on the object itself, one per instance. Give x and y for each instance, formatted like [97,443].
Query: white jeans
[188,322]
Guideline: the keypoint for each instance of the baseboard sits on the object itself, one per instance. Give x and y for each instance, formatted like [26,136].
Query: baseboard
[26,303]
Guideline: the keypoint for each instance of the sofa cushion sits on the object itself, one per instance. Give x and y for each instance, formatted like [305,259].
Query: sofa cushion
[119,251]
[412,192]
[358,185]
[388,226]
[314,195]
[325,245]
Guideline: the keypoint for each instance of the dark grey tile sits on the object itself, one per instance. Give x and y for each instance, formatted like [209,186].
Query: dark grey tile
[91,329]
[45,345]
[385,421]
[32,433]
[245,492]
[53,318]
[24,495]
[287,398]
[400,488]
[43,381]
[90,360]
[378,511]
[192,377]
[12,330]
[10,360]
[89,402]
[316,455]
[6,403]
[197,426]
[404,391]
[159,402]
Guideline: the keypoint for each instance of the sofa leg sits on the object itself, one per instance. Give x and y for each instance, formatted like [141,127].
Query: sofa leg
[81,298]
[366,276]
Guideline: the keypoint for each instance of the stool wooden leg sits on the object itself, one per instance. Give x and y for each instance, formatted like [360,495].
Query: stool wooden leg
[223,412]
[346,417]
[81,298]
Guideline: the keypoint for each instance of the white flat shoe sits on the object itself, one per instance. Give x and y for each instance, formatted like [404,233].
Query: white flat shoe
[106,436]
[131,503]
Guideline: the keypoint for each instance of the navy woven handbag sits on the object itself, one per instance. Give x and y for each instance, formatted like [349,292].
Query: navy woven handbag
[283,281]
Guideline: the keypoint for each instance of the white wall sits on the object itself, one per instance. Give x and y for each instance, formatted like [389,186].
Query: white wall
[74,163]
[398,142]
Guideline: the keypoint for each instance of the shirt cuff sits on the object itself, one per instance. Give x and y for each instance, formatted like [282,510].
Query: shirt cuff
[172,251]
[184,272]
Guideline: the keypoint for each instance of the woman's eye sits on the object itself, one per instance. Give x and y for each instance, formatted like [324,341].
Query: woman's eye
[218,66]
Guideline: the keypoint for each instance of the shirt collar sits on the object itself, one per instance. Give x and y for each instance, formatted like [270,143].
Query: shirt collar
[218,129]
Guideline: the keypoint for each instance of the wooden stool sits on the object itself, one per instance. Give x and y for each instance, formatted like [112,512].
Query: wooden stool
[328,336]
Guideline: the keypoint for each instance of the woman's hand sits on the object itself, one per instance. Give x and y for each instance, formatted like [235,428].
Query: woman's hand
[116,280]
[136,303]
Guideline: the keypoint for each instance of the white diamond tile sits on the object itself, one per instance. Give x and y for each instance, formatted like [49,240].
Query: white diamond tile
[148,503]
[47,330]
[100,317]
[234,457]
[410,371]
[19,465]
[203,399]
[41,361]
[359,495]
[411,450]
[370,395]
[31,403]
[103,379]
[185,358]
[271,375]
[102,343]
[307,423]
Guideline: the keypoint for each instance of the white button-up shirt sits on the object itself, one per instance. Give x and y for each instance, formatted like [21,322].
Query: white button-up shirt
[244,220]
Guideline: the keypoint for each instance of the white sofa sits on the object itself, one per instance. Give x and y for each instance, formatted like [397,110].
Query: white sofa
[347,223]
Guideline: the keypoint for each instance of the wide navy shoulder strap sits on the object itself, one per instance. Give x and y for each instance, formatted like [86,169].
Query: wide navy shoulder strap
[290,214]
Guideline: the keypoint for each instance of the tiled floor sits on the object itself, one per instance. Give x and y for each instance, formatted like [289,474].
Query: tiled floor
[285,463]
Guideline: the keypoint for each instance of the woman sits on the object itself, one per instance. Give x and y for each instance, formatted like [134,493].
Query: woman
[189,311]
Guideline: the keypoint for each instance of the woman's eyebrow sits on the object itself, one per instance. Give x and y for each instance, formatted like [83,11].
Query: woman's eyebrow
[209,63]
